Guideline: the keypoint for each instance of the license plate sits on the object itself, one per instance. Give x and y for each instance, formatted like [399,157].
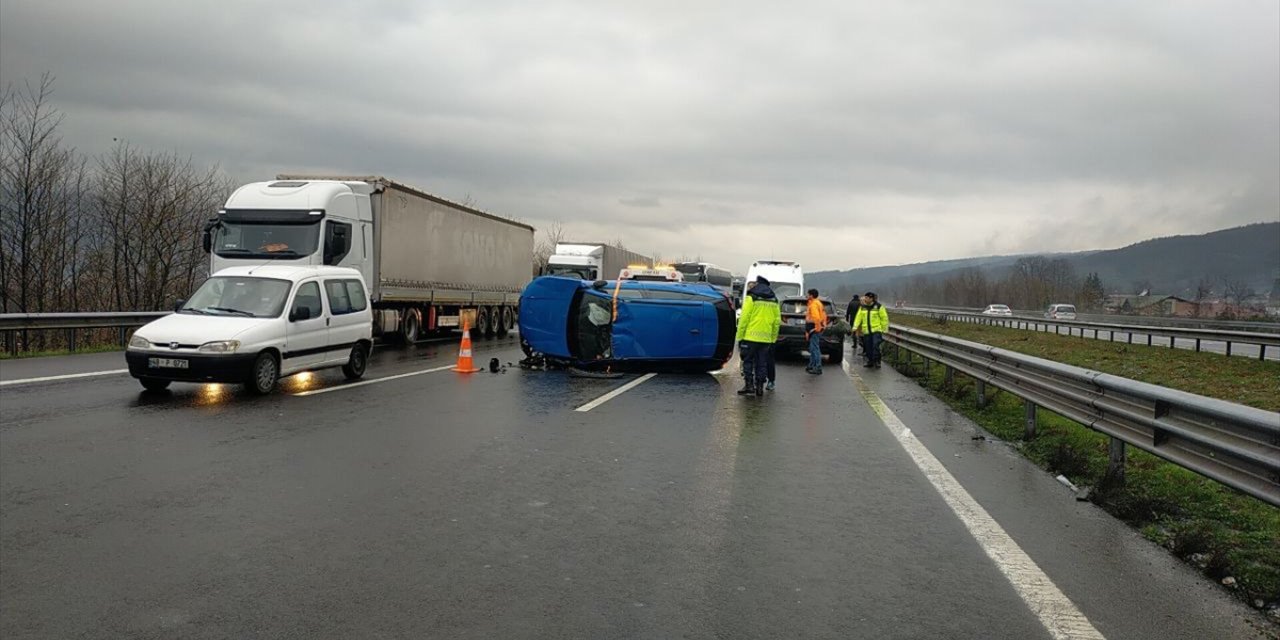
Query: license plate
[167,363]
[799,322]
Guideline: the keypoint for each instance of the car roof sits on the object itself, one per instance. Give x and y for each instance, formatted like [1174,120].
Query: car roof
[288,272]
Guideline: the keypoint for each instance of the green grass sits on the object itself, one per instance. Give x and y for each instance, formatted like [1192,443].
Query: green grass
[5,355]
[1216,529]
[1247,381]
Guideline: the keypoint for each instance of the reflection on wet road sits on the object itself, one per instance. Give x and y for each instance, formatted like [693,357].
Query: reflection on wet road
[435,504]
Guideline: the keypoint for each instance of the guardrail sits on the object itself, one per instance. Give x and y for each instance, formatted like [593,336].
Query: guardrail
[1236,445]
[15,324]
[1261,339]
[1180,322]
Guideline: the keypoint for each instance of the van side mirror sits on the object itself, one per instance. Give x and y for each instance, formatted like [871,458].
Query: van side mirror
[207,241]
[301,313]
[177,306]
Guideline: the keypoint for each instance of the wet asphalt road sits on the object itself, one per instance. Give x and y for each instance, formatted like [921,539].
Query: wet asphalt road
[482,507]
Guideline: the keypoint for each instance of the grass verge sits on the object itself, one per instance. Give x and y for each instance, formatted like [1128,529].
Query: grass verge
[1220,531]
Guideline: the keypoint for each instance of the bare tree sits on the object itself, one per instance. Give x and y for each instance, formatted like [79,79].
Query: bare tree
[1236,290]
[1204,288]
[545,247]
[37,173]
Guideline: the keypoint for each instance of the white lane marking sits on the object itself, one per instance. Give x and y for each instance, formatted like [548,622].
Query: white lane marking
[353,385]
[616,392]
[69,376]
[1054,609]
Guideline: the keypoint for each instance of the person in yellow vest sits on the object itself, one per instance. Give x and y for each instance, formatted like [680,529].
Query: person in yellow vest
[757,332]
[815,322]
[870,325]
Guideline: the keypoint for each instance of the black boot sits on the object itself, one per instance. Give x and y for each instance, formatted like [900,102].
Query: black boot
[759,389]
[747,388]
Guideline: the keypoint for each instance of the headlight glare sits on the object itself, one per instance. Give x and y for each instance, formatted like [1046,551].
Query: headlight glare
[220,346]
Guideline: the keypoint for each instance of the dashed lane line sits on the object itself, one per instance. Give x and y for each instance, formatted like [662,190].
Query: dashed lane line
[616,392]
[354,385]
[1055,610]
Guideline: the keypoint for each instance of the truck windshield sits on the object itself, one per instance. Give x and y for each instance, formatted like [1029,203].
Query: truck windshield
[239,296]
[572,271]
[266,240]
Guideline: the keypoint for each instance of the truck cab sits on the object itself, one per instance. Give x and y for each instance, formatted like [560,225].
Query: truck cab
[295,222]
[583,261]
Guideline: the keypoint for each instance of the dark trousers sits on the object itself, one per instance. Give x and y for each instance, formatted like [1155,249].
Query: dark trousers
[755,363]
[771,370]
[871,347]
[772,373]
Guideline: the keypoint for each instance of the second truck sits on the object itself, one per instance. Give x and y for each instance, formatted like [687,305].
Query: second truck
[591,261]
[428,263]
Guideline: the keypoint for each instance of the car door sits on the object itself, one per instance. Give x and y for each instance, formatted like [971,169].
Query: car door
[544,314]
[663,325]
[347,324]
[307,335]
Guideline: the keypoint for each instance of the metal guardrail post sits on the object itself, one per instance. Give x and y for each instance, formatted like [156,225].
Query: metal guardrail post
[1030,419]
[948,377]
[980,388]
[1115,466]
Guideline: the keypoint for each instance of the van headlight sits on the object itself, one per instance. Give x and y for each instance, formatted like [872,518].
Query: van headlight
[139,342]
[220,346]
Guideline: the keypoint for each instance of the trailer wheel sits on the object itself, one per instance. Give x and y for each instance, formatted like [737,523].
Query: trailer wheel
[495,321]
[482,321]
[409,329]
[504,322]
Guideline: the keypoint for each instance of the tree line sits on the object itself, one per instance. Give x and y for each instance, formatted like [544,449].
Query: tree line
[1033,282]
[113,232]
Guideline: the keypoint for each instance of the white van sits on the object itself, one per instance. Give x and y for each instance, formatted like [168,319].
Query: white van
[257,324]
[784,276]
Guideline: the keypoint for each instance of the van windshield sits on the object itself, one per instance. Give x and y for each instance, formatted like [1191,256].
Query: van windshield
[239,296]
[572,271]
[786,289]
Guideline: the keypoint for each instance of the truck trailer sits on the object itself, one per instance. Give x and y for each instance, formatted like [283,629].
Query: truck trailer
[427,263]
[591,261]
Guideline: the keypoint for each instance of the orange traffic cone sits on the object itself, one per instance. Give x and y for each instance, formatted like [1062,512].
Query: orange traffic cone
[465,364]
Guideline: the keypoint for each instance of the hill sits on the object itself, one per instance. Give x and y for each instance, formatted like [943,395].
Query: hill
[1173,265]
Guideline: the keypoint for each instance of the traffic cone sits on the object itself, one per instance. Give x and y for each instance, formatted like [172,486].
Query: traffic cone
[465,364]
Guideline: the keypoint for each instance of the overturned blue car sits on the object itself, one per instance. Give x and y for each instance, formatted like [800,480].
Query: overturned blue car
[626,325]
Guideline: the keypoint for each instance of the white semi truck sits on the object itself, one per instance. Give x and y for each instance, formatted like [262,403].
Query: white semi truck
[591,261]
[426,261]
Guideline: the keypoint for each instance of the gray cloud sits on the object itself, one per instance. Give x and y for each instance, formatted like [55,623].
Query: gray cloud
[844,133]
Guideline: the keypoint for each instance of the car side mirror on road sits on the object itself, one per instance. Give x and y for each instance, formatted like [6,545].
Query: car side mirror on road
[177,306]
[301,313]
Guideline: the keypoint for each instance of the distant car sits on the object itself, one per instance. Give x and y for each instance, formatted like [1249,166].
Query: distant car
[1061,312]
[256,324]
[658,325]
[997,310]
[791,338]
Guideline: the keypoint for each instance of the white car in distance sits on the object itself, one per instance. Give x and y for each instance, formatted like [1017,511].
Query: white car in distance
[997,310]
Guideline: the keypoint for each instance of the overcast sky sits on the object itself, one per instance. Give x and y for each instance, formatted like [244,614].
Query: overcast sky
[841,134]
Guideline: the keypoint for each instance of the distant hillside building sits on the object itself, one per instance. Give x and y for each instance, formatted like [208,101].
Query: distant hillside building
[1152,306]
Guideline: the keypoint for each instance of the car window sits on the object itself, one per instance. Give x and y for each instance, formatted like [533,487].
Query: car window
[666,294]
[355,292]
[629,294]
[339,301]
[309,298]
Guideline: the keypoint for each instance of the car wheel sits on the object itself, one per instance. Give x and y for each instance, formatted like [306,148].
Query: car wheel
[153,384]
[265,374]
[357,362]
